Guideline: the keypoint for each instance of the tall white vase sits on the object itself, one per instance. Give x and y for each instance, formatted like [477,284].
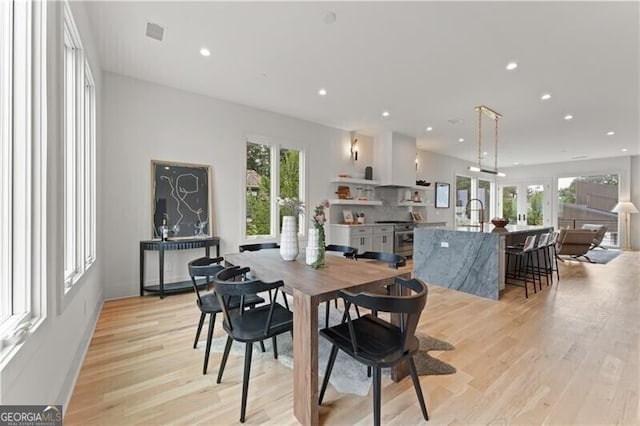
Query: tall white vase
[312,247]
[289,238]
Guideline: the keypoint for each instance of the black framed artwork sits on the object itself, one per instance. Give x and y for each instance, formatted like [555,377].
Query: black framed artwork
[442,195]
[181,197]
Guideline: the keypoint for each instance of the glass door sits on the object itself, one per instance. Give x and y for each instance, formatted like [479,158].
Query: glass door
[525,203]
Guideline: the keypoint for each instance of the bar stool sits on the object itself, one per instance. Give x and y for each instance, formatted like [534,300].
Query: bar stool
[521,272]
[553,257]
[542,247]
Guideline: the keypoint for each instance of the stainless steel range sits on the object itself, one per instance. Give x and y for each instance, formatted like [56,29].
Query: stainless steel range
[402,236]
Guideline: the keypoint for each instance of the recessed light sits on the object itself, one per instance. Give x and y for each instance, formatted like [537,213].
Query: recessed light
[329,18]
[624,150]
[385,113]
[484,153]
[461,140]
[545,96]
[611,133]
[516,164]
[512,66]
[205,52]
[568,117]
[322,92]
[429,129]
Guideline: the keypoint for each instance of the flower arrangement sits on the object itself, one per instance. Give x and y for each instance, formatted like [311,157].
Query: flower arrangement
[319,220]
[291,206]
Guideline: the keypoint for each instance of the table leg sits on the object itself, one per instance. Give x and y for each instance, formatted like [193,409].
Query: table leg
[161,272]
[141,271]
[305,355]
[401,370]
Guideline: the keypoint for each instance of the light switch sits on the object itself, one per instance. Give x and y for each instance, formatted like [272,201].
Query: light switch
[444,244]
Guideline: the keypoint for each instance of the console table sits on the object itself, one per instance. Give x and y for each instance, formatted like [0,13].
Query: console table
[161,247]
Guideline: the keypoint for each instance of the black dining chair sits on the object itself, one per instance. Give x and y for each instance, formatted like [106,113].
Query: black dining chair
[393,260]
[249,326]
[208,303]
[377,343]
[258,246]
[349,253]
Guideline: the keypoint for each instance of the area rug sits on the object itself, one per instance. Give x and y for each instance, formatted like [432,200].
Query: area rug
[599,256]
[348,376]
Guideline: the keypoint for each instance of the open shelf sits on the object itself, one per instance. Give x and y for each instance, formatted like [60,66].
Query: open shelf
[412,204]
[355,202]
[355,181]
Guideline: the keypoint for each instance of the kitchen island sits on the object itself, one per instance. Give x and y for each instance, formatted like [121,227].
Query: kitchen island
[469,261]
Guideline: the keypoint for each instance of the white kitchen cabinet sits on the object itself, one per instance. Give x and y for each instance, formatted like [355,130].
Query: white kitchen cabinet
[356,236]
[383,239]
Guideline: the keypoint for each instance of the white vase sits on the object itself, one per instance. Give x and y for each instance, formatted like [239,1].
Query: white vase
[289,238]
[312,246]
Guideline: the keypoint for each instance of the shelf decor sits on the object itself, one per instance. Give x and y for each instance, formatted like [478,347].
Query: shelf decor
[289,247]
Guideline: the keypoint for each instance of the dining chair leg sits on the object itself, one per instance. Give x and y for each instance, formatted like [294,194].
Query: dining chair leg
[327,373]
[326,314]
[212,321]
[274,339]
[245,379]
[225,355]
[262,348]
[202,317]
[376,395]
[368,371]
[418,388]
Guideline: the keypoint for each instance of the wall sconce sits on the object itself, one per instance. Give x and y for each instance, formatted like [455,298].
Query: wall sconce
[354,149]
[416,161]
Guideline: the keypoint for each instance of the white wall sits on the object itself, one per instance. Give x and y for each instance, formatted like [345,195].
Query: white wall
[145,121]
[44,369]
[434,168]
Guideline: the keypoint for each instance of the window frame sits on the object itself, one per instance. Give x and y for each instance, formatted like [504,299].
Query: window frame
[79,146]
[23,118]
[274,152]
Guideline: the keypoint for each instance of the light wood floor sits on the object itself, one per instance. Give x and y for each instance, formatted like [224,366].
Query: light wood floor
[567,355]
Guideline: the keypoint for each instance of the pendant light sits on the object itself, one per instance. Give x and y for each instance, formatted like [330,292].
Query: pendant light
[495,116]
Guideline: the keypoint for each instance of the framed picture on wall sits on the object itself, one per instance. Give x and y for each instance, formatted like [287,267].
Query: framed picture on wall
[442,195]
[181,196]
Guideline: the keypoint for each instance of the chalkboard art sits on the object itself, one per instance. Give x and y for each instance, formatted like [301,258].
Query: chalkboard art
[181,197]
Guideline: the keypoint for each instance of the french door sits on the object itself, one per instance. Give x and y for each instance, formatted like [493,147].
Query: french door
[526,203]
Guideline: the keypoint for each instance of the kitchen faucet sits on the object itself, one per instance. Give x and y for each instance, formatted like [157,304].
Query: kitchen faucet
[480,212]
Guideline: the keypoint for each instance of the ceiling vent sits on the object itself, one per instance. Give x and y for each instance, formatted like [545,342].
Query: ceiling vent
[455,121]
[155,31]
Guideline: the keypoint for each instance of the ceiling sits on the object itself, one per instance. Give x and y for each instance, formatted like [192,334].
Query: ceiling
[424,62]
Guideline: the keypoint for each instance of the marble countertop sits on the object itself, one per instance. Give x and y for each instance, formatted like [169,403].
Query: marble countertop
[512,229]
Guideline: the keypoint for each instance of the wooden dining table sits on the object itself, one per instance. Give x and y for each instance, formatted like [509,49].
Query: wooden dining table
[310,287]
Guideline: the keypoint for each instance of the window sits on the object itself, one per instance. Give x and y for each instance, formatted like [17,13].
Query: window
[22,169]
[79,157]
[463,195]
[588,200]
[266,163]
[468,212]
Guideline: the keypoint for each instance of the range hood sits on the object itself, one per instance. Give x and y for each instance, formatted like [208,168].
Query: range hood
[395,159]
